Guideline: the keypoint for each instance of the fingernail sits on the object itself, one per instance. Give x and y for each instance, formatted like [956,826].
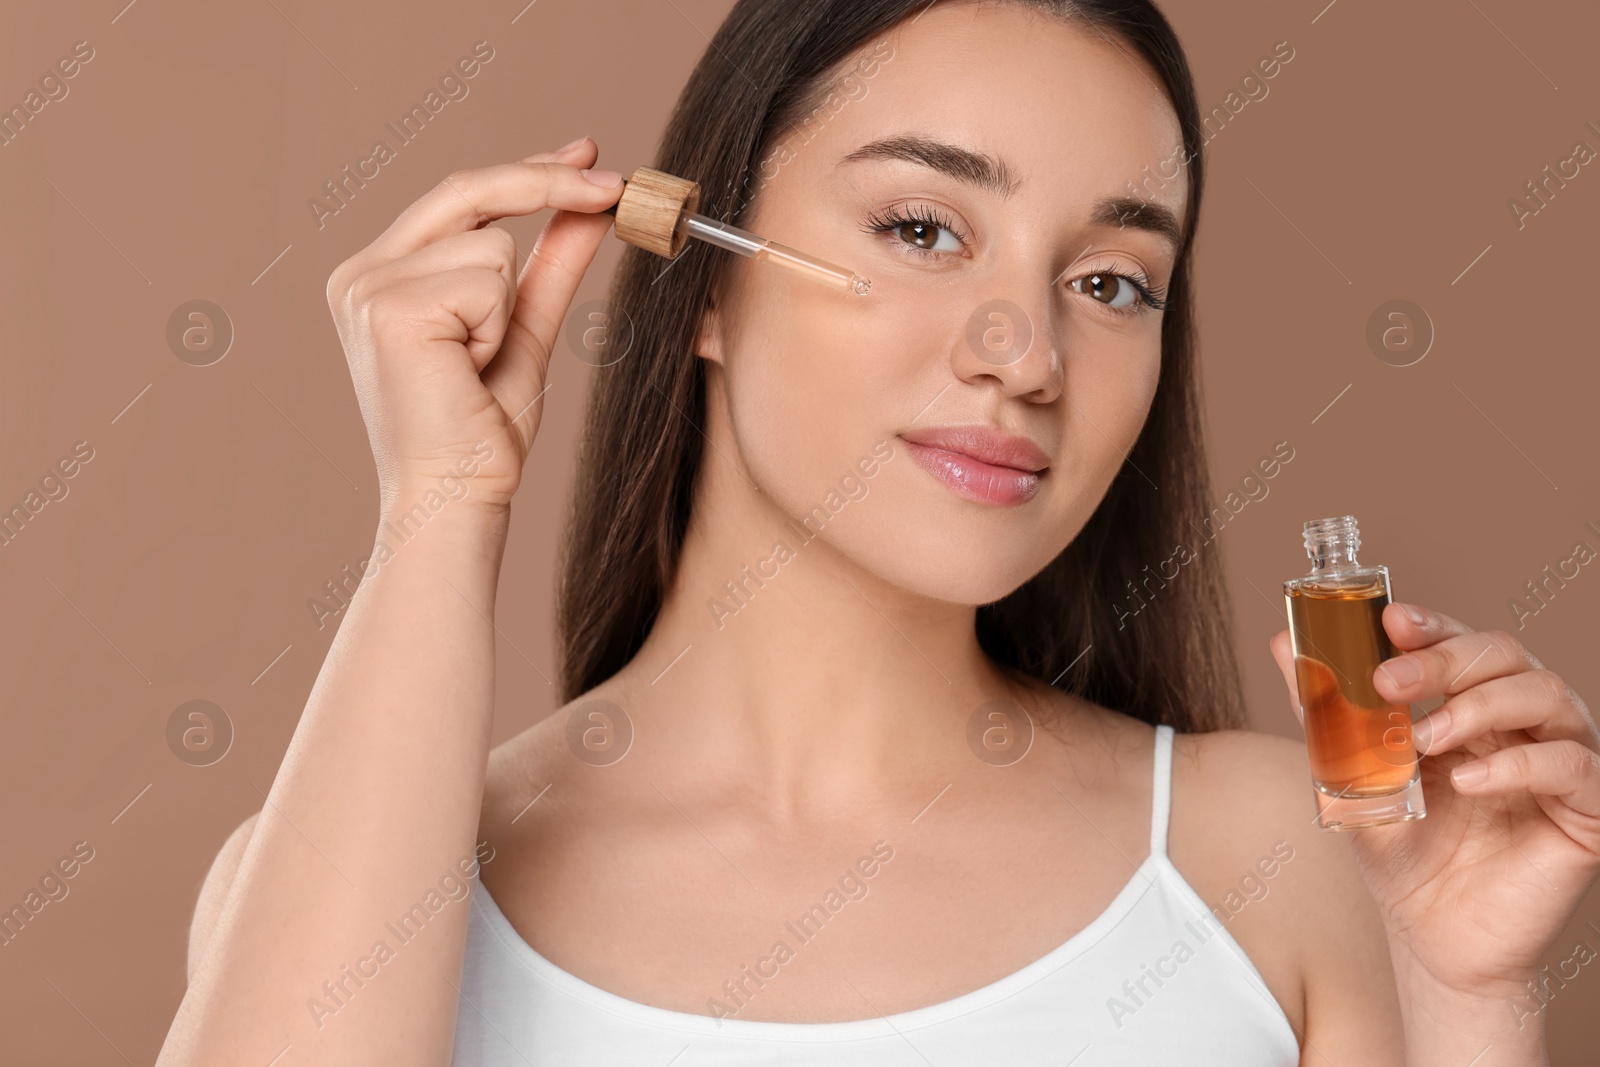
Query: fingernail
[1415,614]
[604,178]
[569,146]
[1470,773]
[1402,670]
[1430,730]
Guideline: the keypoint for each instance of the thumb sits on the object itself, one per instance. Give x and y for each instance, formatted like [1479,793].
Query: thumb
[1283,651]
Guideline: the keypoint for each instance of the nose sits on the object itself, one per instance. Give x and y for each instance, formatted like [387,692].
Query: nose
[1012,343]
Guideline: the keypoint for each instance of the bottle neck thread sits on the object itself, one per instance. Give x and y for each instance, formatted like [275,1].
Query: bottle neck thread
[1332,544]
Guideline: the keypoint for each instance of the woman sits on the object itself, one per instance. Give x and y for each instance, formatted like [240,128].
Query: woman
[859,763]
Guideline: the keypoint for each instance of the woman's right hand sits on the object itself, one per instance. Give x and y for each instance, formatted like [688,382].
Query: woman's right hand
[447,346]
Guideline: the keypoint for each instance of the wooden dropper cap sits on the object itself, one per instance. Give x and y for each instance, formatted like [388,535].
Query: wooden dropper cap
[653,210]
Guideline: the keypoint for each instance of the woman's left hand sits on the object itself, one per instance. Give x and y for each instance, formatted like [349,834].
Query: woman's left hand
[1476,892]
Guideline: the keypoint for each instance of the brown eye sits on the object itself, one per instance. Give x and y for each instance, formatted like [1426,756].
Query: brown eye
[918,233]
[1112,290]
[926,231]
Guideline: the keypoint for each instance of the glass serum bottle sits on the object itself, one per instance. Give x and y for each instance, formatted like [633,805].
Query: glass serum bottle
[1363,761]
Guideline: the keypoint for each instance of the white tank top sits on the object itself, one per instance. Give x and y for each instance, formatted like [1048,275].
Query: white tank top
[1155,978]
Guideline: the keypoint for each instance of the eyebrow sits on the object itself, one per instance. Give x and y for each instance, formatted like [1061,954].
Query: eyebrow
[963,164]
[993,176]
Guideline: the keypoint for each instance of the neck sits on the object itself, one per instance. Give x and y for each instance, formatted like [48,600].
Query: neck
[784,665]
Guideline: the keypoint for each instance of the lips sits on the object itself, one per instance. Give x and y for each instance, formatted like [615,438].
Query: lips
[987,446]
[979,463]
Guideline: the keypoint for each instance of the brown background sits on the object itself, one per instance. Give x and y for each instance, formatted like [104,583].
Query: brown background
[180,564]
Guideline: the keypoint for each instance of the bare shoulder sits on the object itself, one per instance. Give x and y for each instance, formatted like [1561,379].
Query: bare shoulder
[1243,832]
[529,779]
[519,771]
[214,891]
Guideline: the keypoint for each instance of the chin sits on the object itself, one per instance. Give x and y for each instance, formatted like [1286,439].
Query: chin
[967,561]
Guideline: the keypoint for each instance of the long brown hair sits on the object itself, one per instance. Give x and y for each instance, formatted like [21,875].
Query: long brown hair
[1082,623]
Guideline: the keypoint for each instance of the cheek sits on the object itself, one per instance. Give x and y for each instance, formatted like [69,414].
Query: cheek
[816,378]
[1111,383]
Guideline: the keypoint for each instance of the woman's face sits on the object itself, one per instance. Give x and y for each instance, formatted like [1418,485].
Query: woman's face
[1000,133]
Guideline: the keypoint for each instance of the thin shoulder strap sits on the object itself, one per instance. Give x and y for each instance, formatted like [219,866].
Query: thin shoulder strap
[1161,791]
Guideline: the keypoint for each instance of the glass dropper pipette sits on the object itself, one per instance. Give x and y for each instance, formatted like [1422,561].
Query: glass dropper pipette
[748,244]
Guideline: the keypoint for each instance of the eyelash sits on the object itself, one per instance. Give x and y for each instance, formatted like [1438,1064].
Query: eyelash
[1150,298]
